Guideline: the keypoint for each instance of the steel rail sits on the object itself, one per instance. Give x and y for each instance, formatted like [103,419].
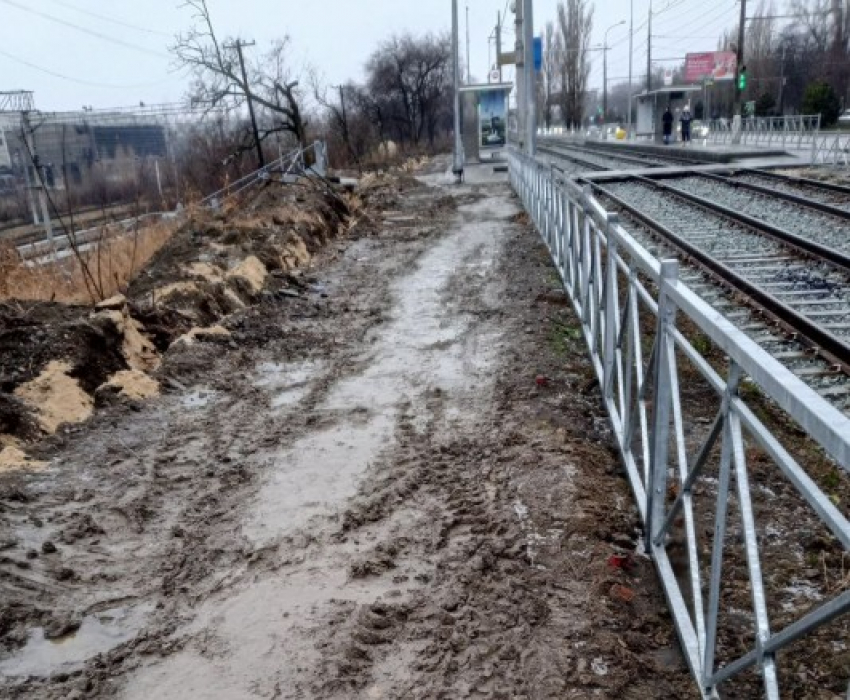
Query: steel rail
[761,227]
[833,350]
[793,179]
[798,199]
[541,148]
[637,157]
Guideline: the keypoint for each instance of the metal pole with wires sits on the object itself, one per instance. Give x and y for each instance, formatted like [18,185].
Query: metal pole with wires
[605,48]
[457,162]
[530,78]
[631,39]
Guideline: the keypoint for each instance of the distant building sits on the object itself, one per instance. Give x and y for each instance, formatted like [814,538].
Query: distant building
[77,148]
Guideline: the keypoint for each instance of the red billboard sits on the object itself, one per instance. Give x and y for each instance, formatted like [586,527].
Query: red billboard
[714,65]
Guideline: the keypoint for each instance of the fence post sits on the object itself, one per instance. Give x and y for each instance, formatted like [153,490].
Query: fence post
[321,164]
[611,315]
[661,400]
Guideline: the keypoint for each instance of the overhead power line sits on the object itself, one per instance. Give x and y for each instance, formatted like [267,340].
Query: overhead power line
[80,81]
[112,20]
[90,32]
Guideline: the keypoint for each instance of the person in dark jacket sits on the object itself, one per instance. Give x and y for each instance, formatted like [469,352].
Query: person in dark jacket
[667,121]
[686,120]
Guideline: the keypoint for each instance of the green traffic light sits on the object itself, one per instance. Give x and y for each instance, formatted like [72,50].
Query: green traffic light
[742,79]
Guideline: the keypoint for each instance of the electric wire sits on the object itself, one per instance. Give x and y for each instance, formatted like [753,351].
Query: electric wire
[112,20]
[80,81]
[90,32]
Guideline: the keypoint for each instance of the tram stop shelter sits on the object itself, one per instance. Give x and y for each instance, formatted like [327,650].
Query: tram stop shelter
[651,106]
[484,110]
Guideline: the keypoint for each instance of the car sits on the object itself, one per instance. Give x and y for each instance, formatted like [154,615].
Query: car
[844,119]
[494,138]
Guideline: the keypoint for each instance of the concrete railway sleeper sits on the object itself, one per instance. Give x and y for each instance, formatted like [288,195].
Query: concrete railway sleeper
[647,369]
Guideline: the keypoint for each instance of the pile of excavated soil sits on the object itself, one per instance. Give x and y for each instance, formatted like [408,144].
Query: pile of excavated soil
[59,361]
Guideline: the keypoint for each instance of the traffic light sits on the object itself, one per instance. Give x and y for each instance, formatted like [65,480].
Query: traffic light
[742,78]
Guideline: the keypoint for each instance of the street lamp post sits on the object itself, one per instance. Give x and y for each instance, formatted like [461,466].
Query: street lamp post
[605,70]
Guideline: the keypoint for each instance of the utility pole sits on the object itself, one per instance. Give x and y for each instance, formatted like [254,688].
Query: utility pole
[47,220]
[238,46]
[737,117]
[782,85]
[631,38]
[649,50]
[530,78]
[499,43]
[521,104]
[345,133]
[605,70]
[457,162]
[468,69]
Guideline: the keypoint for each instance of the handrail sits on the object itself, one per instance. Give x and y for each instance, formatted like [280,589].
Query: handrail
[614,285]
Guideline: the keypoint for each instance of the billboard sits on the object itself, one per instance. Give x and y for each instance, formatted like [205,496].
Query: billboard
[713,65]
[491,114]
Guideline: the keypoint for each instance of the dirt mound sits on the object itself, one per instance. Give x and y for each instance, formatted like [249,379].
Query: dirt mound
[131,384]
[56,359]
[55,397]
[12,458]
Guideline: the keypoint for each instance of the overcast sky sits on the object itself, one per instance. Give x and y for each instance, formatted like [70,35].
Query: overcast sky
[88,52]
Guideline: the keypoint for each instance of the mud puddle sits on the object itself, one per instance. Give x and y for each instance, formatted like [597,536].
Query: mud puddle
[98,633]
[288,383]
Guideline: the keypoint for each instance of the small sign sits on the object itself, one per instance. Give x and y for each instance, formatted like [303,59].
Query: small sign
[538,53]
[668,76]
[494,76]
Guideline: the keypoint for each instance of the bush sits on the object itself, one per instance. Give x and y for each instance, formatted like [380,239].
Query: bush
[820,98]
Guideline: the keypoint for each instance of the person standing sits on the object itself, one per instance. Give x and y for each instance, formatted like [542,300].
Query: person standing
[686,120]
[667,121]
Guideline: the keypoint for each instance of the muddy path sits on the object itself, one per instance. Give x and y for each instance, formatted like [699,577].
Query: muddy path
[399,485]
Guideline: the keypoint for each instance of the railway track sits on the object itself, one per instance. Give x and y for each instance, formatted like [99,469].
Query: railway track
[597,161]
[822,224]
[813,191]
[790,295]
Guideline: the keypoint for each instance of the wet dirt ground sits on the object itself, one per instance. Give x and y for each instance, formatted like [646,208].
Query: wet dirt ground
[399,485]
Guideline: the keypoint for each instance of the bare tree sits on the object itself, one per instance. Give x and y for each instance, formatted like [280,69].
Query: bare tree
[409,79]
[575,22]
[219,79]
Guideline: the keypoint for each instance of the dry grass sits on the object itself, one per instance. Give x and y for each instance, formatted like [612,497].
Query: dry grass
[92,276]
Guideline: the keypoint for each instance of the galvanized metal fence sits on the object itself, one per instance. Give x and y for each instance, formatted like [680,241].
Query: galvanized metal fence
[831,148]
[795,131]
[626,299]
[291,165]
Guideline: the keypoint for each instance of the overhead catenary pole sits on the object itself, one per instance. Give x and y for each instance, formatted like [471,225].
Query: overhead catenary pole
[649,50]
[605,48]
[468,65]
[29,141]
[631,38]
[530,78]
[499,43]
[238,46]
[457,162]
[737,117]
[521,105]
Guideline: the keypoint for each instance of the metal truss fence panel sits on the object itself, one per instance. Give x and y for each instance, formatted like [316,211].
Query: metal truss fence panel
[615,285]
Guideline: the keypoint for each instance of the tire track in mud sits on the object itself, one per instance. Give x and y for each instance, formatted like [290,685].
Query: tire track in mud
[170,479]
